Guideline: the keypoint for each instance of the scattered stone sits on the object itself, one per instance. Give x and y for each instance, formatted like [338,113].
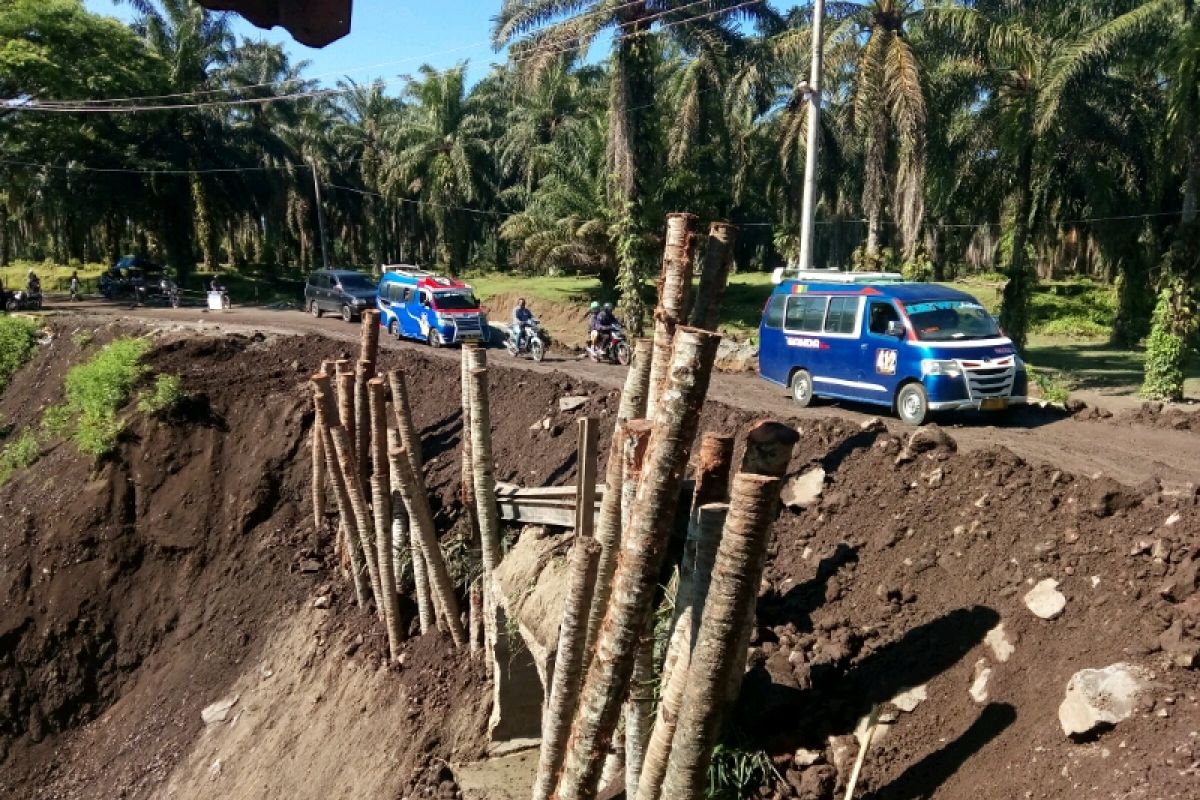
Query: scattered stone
[1045,600]
[929,437]
[1172,520]
[218,711]
[934,478]
[571,403]
[1161,550]
[979,688]
[909,699]
[998,642]
[214,770]
[733,356]
[1184,651]
[322,602]
[802,491]
[1185,581]
[310,565]
[806,758]
[873,425]
[1096,697]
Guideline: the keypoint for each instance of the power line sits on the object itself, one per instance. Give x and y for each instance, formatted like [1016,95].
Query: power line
[168,171]
[466,209]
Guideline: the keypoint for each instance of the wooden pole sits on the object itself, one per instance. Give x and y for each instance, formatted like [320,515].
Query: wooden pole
[673,284]
[317,448]
[362,521]
[467,472]
[769,447]
[381,506]
[585,478]
[481,464]
[710,521]
[643,546]
[568,665]
[714,275]
[362,420]
[475,628]
[734,588]
[326,412]
[345,408]
[420,513]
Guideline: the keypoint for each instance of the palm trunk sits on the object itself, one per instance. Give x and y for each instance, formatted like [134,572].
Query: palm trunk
[735,581]
[673,284]
[362,420]
[1014,308]
[316,443]
[642,550]
[362,520]
[638,713]
[568,666]
[381,506]
[419,512]
[710,520]
[401,541]
[714,277]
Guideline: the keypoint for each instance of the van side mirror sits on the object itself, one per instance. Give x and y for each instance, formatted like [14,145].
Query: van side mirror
[895,328]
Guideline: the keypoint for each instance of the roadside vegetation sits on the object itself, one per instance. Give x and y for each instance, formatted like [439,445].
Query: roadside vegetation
[18,338]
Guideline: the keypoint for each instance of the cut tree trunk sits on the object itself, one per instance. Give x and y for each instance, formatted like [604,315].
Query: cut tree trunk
[345,406]
[362,523]
[467,473]
[637,382]
[421,515]
[639,706]
[317,446]
[714,276]
[710,521]
[362,420]
[673,284]
[368,340]
[769,447]
[483,483]
[381,507]
[733,590]
[326,412]
[475,628]
[400,532]
[568,666]
[643,547]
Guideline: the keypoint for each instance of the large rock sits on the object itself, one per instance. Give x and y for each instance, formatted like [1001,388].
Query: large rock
[802,491]
[572,402]
[1097,697]
[999,643]
[733,356]
[1045,600]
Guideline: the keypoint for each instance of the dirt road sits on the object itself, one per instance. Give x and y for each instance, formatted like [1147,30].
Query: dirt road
[1130,453]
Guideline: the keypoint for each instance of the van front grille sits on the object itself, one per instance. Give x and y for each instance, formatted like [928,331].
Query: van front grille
[987,379]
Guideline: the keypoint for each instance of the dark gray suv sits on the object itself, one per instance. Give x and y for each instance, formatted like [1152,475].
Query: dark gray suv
[339,291]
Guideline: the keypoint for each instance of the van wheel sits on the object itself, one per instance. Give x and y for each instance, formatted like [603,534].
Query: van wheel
[435,338]
[315,309]
[802,388]
[912,404]
[347,314]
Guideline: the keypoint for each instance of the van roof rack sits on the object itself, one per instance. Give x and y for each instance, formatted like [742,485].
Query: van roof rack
[406,269]
[834,276]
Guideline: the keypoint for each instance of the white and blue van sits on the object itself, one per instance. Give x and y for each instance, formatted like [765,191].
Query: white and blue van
[416,304]
[874,338]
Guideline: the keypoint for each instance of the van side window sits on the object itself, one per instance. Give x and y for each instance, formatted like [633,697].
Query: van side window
[425,299]
[804,313]
[773,316]
[395,292]
[842,311]
[881,314]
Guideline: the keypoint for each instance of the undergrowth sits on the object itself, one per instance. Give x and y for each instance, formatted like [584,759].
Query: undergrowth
[96,391]
[736,772]
[18,337]
[1055,387]
[166,395]
[18,454]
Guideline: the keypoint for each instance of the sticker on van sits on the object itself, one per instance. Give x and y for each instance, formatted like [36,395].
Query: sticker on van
[885,361]
[804,341]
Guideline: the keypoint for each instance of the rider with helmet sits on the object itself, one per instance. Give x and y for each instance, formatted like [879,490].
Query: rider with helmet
[521,317]
[603,321]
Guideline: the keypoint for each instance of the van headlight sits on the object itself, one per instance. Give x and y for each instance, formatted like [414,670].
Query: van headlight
[934,366]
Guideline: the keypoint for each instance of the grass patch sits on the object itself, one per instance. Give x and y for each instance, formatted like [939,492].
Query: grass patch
[55,277]
[1054,386]
[96,391]
[165,396]
[735,773]
[18,338]
[18,454]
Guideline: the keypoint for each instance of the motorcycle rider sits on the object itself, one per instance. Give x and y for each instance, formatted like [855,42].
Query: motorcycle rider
[215,285]
[603,321]
[33,284]
[521,317]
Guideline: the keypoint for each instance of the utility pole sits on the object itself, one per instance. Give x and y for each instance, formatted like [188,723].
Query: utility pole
[320,216]
[810,155]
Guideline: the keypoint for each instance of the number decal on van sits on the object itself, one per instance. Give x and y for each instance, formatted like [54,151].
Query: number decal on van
[885,361]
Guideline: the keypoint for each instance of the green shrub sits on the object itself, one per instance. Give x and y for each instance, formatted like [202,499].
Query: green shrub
[18,337]
[1174,322]
[18,454]
[735,773]
[1054,387]
[166,394]
[97,389]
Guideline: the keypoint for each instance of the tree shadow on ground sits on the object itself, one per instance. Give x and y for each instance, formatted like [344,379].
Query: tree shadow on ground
[924,777]
[441,437]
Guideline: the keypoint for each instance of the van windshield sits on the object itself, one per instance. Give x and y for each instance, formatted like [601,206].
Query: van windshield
[951,320]
[353,281]
[455,301]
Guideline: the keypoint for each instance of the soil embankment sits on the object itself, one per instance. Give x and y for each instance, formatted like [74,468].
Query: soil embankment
[184,571]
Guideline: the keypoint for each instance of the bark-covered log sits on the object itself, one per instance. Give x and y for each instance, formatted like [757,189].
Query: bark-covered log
[360,522]
[638,713]
[637,382]
[381,507]
[475,626]
[316,444]
[568,666]
[710,520]
[714,275]
[368,340]
[401,549]
[362,420]
[643,546]
[673,284]
[733,589]
[421,516]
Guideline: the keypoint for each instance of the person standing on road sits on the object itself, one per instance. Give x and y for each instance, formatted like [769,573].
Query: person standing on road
[74,284]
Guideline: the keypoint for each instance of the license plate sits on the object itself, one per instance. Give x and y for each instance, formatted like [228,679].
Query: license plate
[993,404]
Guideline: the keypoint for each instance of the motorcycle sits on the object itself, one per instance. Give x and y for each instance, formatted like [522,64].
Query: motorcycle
[23,300]
[170,292]
[532,343]
[612,348]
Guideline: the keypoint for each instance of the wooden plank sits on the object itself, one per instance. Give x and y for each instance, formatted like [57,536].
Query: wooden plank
[585,483]
[511,489]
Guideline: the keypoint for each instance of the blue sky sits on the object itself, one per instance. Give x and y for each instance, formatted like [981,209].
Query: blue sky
[383,32]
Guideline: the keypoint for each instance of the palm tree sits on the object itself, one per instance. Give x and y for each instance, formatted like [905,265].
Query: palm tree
[440,155]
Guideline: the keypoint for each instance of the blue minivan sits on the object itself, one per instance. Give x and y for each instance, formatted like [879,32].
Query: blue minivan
[874,338]
[416,304]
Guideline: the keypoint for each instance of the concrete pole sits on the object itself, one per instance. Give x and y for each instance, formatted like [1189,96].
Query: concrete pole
[320,216]
[808,210]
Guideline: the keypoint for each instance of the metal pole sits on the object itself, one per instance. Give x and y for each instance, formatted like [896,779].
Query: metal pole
[810,155]
[320,216]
